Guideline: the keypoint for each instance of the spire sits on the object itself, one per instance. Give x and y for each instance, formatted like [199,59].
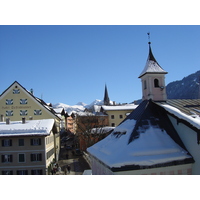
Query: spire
[153,79]
[152,65]
[106,97]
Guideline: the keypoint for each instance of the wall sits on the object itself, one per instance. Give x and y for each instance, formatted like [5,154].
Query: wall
[117,120]
[189,138]
[98,168]
[27,149]
[16,107]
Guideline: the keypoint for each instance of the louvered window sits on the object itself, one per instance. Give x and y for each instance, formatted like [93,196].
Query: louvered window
[6,143]
[23,101]
[23,112]
[36,172]
[16,91]
[36,141]
[36,157]
[37,112]
[9,101]
[9,112]
[22,172]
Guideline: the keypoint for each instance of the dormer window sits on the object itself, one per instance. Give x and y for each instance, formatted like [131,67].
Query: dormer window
[156,82]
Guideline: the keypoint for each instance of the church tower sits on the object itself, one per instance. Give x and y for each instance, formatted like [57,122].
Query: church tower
[106,97]
[153,79]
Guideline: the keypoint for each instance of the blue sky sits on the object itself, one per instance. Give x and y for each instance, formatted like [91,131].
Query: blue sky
[70,64]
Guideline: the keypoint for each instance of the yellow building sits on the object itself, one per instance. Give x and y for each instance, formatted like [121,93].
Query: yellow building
[27,147]
[16,103]
[116,114]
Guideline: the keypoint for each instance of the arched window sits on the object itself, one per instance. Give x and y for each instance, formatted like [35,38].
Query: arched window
[156,82]
[145,84]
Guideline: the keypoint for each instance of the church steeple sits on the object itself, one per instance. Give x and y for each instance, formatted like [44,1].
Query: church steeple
[106,97]
[153,79]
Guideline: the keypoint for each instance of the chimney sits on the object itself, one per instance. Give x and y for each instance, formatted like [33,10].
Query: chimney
[31,91]
[2,118]
[7,120]
[23,120]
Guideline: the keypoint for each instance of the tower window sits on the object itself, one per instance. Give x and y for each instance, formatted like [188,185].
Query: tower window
[156,82]
[145,84]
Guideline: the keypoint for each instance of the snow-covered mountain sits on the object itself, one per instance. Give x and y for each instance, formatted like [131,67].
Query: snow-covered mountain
[79,107]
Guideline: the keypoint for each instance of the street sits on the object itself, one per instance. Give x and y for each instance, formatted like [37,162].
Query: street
[77,163]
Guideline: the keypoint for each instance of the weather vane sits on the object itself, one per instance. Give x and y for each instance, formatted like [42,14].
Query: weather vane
[149,37]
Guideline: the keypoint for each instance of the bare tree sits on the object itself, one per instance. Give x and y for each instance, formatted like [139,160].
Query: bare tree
[90,128]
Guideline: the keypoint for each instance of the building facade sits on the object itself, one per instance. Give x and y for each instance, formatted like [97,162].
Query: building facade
[27,147]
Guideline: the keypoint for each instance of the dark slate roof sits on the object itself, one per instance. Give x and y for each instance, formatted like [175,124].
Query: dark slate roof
[187,106]
[148,116]
[157,116]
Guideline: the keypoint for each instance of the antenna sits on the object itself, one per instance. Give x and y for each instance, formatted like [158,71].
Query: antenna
[149,37]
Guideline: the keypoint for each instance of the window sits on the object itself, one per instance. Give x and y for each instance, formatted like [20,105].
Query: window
[22,172]
[9,101]
[36,172]
[23,112]
[37,112]
[36,157]
[21,142]
[36,141]
[16,91]
[112,117]
[7,172]
[121,116]
[9,112]
[145,84]
[156,82]
[23,101]
[6,158]
[21,157]
[6,143]
[113,124]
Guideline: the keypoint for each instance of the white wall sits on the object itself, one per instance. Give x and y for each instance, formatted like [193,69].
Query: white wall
[99,168]
[189,138]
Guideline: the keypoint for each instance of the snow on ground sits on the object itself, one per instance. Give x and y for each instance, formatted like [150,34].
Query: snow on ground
[30,127]
[152,147]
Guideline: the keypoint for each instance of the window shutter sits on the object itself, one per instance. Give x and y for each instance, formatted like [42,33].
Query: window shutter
[40,157]
[39,141]
[10,142]
[2,158]
[2,143]
[31,157]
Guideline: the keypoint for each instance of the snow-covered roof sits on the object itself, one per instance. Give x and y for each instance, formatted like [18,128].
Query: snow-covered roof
[192,119]
[29,128]
[152,65]
[145,138]
[105,129]
[120,107]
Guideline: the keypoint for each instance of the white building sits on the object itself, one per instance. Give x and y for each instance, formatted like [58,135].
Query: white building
[159,137]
